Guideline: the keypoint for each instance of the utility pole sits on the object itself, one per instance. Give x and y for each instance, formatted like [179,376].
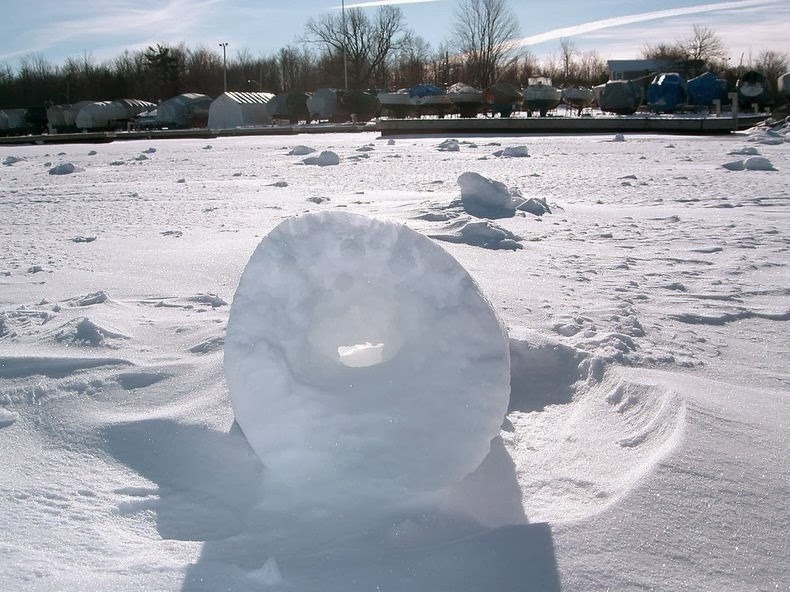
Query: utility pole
[345,41]
[224,46]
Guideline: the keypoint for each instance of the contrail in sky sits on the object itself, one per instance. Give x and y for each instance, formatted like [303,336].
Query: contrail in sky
[385,3]
[635,18]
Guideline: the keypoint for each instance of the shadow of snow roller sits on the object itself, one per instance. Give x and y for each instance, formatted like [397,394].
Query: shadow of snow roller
[363,362]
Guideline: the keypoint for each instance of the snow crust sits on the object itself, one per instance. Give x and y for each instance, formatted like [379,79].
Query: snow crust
[646,317]
[347,338]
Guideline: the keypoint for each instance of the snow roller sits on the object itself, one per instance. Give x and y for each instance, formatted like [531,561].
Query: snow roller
[363,361]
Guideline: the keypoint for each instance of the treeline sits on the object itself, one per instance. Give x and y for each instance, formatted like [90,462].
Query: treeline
[164,71]
[704,50]
[366,50]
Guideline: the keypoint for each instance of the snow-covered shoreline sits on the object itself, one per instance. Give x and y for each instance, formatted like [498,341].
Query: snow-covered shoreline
[645,445]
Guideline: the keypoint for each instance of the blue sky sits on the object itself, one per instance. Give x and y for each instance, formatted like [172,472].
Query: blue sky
[616,29]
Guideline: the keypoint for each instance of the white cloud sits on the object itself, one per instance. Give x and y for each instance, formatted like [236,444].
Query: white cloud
[128,19]
[384,3]
[620,21]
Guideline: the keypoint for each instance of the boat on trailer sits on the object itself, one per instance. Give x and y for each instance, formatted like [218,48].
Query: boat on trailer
[541,96]
[578,97]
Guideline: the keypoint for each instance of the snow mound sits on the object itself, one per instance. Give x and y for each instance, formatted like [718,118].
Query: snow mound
[84,331]
[753,163]
[9,160]
[99,297]
[7,417]
[301,150]
[535,205]
[560,405]
[326,158]
[66,168]
[745,151]
[758,163]
[479,233]
[211,299]
[513,152]
[485,198]
[449,146]
[363,363]
[735,165]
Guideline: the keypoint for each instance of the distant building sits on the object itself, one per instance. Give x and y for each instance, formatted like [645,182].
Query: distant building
[637,69]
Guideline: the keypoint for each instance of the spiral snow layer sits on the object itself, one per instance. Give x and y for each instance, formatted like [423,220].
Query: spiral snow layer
[363,361]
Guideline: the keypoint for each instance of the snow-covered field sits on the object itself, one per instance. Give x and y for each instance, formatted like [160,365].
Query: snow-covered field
[645,445]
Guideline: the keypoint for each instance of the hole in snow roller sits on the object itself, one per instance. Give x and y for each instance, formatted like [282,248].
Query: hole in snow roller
[363,361]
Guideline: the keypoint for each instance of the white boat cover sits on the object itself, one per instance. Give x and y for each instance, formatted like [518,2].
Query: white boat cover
[70,112]
[783,84]
[13,119]
[184,110]
[102,114]
[322,104]
[235,109]
[56,115]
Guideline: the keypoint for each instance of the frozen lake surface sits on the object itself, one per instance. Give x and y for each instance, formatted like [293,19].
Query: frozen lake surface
[645,444]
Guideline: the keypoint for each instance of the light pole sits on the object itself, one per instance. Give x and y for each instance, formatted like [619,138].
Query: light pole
[345,41]
[224,46]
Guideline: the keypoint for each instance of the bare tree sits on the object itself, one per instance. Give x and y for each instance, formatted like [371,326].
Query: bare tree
[671,52]
[704,45]
[412,61]
[773,64]
[367,43]
[568,51]
[484,33]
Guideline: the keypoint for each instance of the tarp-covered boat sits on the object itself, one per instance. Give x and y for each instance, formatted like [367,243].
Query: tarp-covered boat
[467,99]
[706,88]
[502,98]
[783,84]
[323,104]
[185,111]
[56,116]
[107,114]
[362,103]
[667,93]
[622,97]
[578,97]
[289,105]
[238,109]
[13,120]
[398,103]
[753,90]
[429,98]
